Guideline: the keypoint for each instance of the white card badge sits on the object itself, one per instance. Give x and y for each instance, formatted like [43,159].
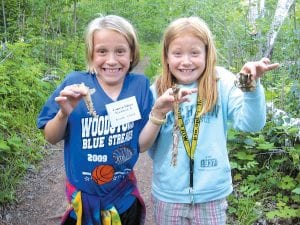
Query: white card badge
[123,111]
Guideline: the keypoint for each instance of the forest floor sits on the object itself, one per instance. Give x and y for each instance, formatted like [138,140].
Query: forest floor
[41,196]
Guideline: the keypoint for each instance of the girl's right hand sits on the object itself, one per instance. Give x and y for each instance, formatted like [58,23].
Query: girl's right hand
[69,98]
[165,102]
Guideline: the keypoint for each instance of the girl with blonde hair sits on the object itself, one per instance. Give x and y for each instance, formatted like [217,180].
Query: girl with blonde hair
[99,156]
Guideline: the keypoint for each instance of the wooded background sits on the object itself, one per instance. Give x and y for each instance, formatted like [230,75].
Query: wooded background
[41,41]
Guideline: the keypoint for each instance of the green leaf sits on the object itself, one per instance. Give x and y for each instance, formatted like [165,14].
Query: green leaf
[266,146]
[4,146]
[250,142]
[15,142]
[296,191]
[287,183]
[245,156]
[237,177]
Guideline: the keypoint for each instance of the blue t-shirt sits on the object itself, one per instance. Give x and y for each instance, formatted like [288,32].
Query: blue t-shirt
[97,156]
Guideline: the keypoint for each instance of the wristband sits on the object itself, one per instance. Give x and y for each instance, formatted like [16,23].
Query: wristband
[155,120]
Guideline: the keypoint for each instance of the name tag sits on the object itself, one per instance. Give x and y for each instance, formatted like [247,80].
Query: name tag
[123,111]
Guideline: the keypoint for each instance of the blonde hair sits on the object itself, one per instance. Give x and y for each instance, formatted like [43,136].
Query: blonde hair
[116,23]
[207,89]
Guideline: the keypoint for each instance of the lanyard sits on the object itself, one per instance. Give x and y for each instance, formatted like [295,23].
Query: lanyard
[190,148]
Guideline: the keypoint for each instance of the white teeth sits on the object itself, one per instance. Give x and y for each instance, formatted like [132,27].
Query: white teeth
[186,71]
[112,70]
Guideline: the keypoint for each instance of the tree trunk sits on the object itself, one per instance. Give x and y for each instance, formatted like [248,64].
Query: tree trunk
[75,25]
[283,7]
[262,8]
[4,22]
[256,11]
[75,16]
[253,12]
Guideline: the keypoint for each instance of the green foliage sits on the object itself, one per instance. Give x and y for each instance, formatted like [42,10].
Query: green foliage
[34,53]
[16,156]
[282,209]
[21,94]
[265,164]
[247,212]
[153,53]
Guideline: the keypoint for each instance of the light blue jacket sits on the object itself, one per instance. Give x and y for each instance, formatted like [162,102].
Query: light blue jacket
[212,173]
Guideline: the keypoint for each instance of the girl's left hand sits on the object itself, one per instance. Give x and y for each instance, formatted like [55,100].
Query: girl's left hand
[258,68]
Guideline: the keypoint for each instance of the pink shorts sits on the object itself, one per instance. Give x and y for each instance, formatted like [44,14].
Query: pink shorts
[209,213]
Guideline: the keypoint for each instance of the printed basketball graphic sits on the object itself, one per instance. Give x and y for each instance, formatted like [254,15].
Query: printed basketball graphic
[103,174]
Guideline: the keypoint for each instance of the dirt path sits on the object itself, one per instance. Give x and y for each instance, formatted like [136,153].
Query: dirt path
[41,197]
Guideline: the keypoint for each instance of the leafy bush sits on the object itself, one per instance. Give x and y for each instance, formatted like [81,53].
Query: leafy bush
[22,93]
[265,168]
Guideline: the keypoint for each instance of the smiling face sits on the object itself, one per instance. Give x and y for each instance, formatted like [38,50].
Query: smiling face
[111,57]
[186,58]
